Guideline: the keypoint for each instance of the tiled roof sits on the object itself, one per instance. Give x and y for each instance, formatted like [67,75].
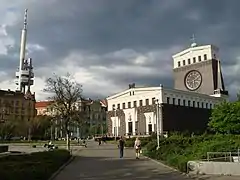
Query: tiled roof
[103,102]
[43,104]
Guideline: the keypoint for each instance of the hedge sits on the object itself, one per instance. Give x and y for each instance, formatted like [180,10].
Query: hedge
[177,150]
[39,165]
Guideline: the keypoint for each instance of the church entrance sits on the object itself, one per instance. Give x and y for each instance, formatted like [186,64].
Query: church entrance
[130,128]
[150,130]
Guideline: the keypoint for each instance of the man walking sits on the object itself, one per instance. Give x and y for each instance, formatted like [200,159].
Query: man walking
[121,146]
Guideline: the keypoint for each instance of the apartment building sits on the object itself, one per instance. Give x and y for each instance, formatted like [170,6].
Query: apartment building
[16,105]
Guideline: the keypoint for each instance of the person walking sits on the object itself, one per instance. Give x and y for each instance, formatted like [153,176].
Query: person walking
[137,146]
[121,144]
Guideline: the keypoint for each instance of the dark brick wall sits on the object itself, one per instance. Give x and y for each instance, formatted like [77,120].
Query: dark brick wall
[120,114]
[180,118]
[142,119]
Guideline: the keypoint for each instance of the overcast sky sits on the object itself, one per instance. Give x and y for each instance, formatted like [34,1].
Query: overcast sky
[107,44]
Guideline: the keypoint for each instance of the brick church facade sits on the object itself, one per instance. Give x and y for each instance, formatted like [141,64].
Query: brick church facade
[198,87]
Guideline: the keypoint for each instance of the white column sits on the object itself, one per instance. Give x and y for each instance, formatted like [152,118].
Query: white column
[133,126]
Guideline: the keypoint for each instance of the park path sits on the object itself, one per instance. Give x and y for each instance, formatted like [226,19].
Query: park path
[103,162]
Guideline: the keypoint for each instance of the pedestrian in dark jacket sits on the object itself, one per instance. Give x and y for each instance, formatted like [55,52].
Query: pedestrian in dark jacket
[121,144]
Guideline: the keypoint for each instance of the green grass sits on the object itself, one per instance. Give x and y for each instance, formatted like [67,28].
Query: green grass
[36,142]
[40,165]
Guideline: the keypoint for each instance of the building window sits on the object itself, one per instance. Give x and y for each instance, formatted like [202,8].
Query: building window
[133,93]
[168,100]
[199,58]
[202,105]
[206,105]
[189,103]
[189,61]
[210,106]
[130,93]
[113,106]
[198,104]
[118,106]
[135,103]
[147,102]
[153,100]
[179,102]
[184,63]
[140,103]
[205,57]
[184,102]
[123,105]
[173,101]
[17,103]
[194,60]
[179,63]
[193,103]
[129,104]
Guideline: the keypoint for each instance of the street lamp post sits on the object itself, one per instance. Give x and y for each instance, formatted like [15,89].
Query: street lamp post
[158,124]
[115,124]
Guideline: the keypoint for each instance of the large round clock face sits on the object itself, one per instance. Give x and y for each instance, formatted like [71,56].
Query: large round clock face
[193,80]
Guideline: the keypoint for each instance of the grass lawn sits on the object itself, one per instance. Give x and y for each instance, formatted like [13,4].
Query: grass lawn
[39,166]
[36,142]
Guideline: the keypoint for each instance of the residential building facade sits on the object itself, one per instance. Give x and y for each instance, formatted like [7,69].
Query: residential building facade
[16,105]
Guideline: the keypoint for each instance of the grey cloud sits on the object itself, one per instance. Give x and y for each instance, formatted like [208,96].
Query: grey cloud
[112,33]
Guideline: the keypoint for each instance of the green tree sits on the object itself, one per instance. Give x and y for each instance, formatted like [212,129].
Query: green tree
[7,129]
[225,118]
[238,96]
[66,94]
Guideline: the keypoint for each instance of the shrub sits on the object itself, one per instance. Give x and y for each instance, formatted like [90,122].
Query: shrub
[40,165]
[177,150]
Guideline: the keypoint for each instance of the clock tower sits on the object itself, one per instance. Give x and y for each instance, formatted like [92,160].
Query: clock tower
[198,69]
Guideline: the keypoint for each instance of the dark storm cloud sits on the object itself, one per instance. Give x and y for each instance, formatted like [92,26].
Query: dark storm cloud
[101,27]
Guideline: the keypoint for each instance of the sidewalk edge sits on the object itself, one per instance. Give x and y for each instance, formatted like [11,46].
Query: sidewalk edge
[169,167]
[62,167]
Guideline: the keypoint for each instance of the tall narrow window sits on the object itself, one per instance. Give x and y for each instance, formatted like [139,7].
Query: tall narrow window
[129,104]
[168,100]
[189,61]
[199,58]
[147,102]
[184,102]
[153,100]
[179,102]
[123,105]
[184,63]
[140,103]
[179,63]
[194,60]
[193,103]
[205,57]
[135,103]
[189,103]
[173,101]
[118,106]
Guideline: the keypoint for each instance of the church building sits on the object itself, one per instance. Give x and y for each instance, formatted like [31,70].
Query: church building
[198,87]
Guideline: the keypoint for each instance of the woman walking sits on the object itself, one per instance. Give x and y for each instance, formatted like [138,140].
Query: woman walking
[137,146]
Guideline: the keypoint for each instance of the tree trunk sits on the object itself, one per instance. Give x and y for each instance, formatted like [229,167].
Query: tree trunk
[68,140]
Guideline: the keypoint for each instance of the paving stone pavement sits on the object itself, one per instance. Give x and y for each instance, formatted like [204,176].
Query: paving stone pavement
[103,162]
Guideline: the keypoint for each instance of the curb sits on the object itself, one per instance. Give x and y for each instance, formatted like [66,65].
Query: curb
[61,168]
[164,165]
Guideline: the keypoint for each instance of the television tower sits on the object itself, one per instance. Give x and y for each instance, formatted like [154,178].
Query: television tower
[24,74]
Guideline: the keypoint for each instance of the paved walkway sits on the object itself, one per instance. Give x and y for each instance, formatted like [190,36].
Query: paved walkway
[103,162]
[100,163]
